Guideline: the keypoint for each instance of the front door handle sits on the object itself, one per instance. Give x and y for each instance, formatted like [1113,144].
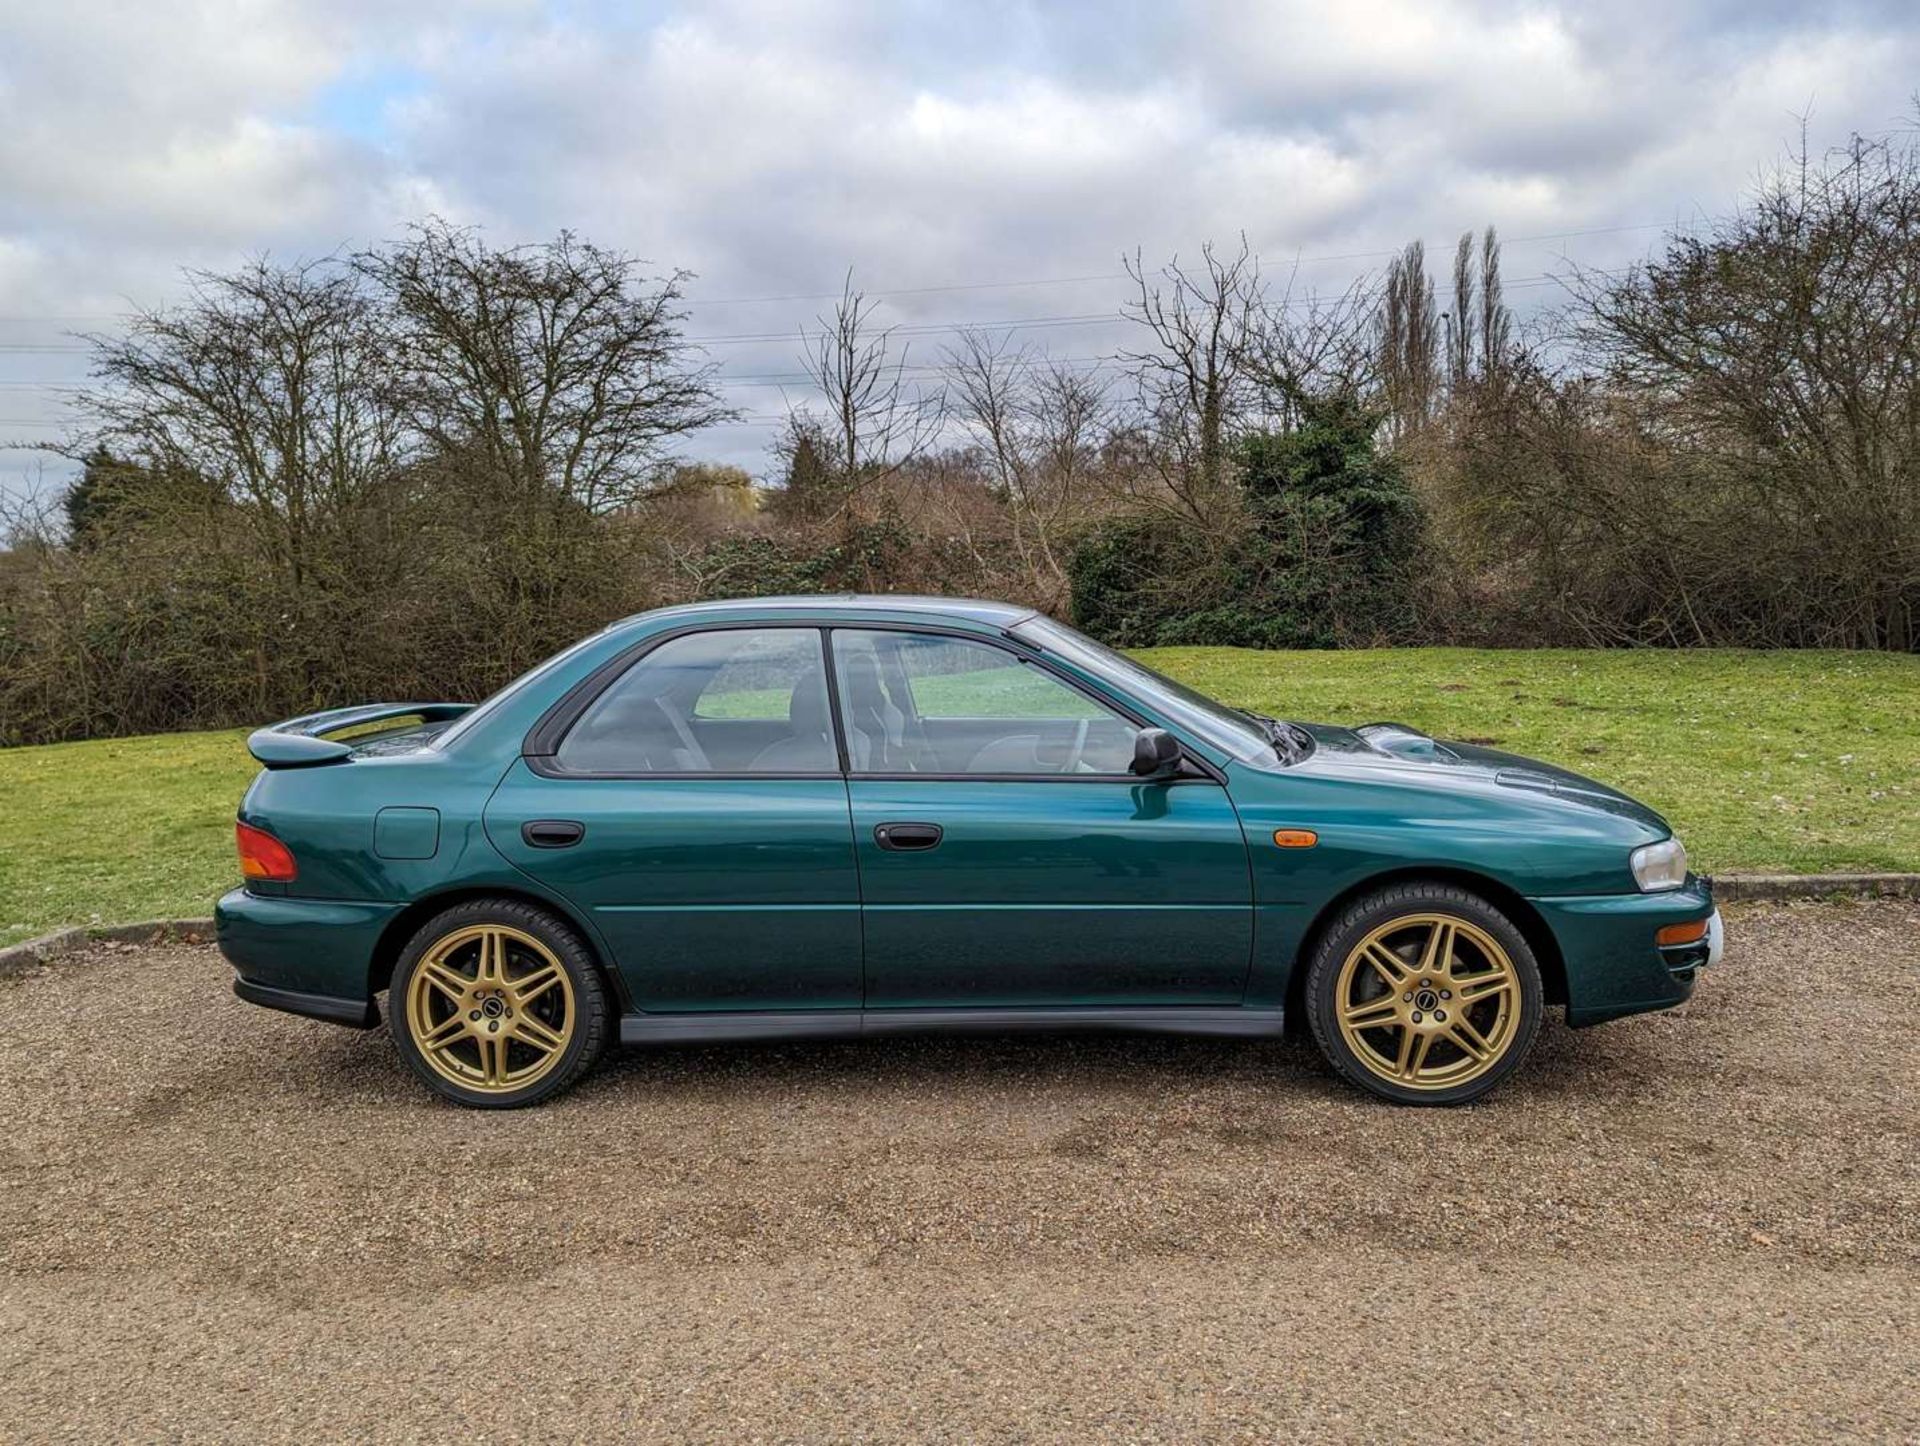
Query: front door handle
[908,837]
[552,833]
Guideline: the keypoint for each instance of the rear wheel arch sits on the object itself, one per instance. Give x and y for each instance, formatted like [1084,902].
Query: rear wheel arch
[404,925]
[1525,918]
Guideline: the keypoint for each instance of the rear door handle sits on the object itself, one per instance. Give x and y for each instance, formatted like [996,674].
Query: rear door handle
[552,833]
[908,837]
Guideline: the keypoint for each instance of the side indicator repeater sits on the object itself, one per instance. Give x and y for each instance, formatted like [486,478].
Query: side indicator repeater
[1295,838]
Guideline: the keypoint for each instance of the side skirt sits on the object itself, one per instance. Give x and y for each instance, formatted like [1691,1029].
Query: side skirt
[717,1026]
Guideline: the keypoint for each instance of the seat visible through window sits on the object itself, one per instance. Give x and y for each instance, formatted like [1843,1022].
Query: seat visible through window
[876,726]
[810,732]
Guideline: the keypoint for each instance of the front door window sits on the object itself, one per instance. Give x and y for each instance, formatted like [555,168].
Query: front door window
[927,703]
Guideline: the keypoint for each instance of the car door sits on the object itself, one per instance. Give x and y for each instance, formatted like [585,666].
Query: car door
[1007,855]
[696,811]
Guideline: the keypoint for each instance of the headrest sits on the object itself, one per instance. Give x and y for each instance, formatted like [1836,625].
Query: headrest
[863,682]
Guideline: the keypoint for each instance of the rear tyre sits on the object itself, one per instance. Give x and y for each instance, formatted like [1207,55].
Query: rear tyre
[497,1004]
[1424,994]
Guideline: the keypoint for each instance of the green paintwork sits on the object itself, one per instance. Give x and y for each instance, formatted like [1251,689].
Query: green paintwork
[707,895]
[406,833]
[1054,893]
[710,893]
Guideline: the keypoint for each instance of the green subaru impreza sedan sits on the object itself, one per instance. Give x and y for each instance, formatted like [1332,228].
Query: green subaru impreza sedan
[858,815]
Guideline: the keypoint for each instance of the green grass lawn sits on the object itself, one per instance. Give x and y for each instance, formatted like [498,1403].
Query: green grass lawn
[1792,762]
[119,830]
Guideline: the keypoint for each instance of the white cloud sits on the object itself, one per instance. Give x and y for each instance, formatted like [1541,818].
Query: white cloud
[770,144]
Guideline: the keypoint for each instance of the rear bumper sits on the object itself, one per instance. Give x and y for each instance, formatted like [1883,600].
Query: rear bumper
[361,1015]
[306,956]
[1614,967]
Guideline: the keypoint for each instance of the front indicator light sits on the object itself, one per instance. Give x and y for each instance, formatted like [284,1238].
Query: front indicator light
[1295,838]
[262,856]
[1674,934]
[1660,866]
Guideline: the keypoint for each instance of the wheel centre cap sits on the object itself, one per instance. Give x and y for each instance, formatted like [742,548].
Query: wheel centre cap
[492,1007]
[1424,1000]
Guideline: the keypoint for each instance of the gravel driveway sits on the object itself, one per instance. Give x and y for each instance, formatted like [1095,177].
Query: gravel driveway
[219,1222]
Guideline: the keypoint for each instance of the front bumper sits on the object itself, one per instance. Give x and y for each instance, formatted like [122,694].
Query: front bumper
[1613,966]
[306,956]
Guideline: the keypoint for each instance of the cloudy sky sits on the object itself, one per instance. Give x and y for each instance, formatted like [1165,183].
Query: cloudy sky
[985,161]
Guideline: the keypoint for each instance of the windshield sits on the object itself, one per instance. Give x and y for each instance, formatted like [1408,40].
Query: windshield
[1233,732]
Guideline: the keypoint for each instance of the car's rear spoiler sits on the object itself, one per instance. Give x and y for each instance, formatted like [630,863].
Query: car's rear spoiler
[302,742]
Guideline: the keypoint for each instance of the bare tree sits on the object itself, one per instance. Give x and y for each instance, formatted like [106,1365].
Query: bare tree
[1460,321]
[1479,329]
[275,385]
[1040,426]
[560,367]
[1496,322]
[1780,356]
[876,419]
[1192,376]
[1305,347]
[1409,340]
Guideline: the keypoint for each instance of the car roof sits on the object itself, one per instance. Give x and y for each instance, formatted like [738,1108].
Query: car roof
[854,606]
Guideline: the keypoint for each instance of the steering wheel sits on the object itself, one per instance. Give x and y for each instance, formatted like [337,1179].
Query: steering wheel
[1079,747]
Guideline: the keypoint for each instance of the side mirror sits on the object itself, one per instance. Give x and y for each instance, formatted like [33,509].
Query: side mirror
[1156,753]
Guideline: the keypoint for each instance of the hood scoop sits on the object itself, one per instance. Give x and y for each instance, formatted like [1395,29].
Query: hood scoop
[1528,778]
[1566,785]
[1400,741]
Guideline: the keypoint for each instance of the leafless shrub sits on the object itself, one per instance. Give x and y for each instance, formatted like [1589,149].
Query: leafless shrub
[1039,428]
[1304,346]
[1191,376]
[873,418]
[1778,359]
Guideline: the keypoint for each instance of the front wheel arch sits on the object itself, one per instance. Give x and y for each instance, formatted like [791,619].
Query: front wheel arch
[1533,928]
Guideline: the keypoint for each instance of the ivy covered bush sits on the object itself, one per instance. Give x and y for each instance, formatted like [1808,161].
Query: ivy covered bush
[1322,555]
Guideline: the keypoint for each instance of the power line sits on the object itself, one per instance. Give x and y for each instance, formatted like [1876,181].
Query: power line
[905,330]
[770,379]
[744,338]
[907,290]
[1030,323]
[1022,323]
[1123,276]
[1013,285]
[929,328]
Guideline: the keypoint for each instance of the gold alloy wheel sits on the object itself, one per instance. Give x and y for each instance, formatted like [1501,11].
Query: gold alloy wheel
[1428,1001]
[490,1008]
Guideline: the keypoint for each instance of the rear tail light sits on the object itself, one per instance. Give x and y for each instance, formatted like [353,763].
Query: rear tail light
[262,856]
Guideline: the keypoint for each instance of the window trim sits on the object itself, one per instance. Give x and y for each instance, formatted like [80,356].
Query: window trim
[540,747]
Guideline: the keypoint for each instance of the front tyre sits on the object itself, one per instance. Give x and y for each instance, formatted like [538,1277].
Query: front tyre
[497,1004]
[1424,994]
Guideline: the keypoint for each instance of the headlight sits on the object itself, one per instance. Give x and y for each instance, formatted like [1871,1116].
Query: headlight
[1659,866]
